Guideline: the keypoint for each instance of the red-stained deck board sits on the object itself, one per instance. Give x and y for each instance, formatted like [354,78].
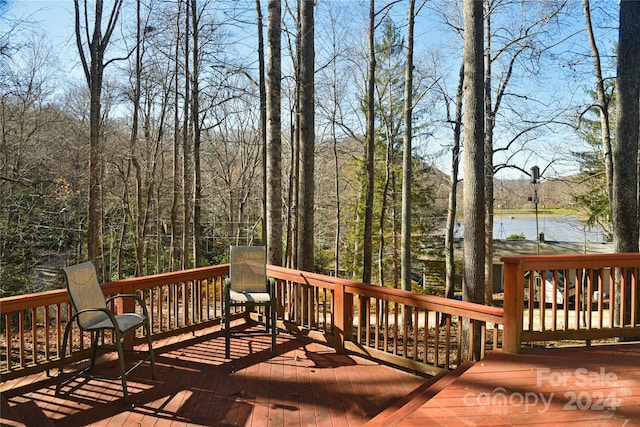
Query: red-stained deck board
[309,384]
[587,386]
[305,383]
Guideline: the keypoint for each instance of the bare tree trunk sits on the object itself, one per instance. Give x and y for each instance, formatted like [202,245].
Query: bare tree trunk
[453,190]
[274,143]
[195,126]
[603,102]
[383,205]
[263,117]
[94,71]
[186,150]
[306,195]
[405,263]
[473,287]
[395,256]
[368,208]
[174,248]
[488,163]
[625,151]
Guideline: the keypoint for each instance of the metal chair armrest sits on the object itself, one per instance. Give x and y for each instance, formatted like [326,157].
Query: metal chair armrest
[136,297]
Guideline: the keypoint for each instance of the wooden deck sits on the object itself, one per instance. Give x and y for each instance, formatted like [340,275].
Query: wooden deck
[598,386]
[305,384]
[308,384]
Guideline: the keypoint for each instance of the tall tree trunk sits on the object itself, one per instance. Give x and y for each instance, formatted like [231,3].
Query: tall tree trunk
[195,129]
[405,263]
[274,143]
[294,181]
[263,116]
[136,215]
[94,71]
[625,153]
[175,203]
[383,204]
[488,163]
[306,195]
[453,190]
[367,258]
[186,149]
[473,288]
[603,102]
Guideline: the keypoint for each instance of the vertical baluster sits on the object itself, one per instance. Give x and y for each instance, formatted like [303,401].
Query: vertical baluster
[579,297]
[590,277]
[386,326]
[483,338]
[542,298]
[21,337]
[425,337]
[47,354]
[531,299]
[633,280]
[565,306]
[58,329]
[367,340]
[416,327]
[436,340]
[7,322]
[459,343]
[378,323]
[623,296]
[554,304]
[395,327]
[447,343]
[599,278]
[34,335]
[405,329]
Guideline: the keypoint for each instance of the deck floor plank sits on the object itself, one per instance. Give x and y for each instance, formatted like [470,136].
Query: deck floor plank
[560,386]
[309,384]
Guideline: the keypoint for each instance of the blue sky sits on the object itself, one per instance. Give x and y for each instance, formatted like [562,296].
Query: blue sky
[55,19]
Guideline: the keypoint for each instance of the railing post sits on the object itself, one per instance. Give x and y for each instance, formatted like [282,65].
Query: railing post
[513,304]
[343,316]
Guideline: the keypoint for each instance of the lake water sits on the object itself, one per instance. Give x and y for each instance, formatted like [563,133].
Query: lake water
[560,228]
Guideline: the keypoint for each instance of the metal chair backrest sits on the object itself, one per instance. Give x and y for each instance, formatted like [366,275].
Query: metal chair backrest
[248,269]
[85,293]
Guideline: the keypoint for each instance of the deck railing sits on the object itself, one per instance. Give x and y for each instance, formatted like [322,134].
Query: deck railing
[570,297]
[414,331]
[32,325]
[417,332]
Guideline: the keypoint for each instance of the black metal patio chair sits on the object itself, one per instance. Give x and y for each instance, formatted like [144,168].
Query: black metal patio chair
[92,314]
[248,286]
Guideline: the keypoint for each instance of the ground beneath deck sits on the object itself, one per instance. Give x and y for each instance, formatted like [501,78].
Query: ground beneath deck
[305,384]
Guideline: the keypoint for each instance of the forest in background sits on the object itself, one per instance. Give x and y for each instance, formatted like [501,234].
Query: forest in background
[160,160]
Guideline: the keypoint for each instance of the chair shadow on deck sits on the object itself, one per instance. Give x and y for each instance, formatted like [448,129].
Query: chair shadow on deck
[195,384]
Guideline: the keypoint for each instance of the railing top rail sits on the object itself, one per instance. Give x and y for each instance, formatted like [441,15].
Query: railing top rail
[137,283]
[132,284]
[429,302]
[567,261]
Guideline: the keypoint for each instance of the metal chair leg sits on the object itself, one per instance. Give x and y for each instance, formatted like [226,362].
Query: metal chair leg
[94,350]
[274,328]
[227,325]
[150,347]
[123,375]
[67,330]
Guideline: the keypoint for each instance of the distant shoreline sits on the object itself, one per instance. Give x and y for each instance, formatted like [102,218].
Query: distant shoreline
[529,215]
